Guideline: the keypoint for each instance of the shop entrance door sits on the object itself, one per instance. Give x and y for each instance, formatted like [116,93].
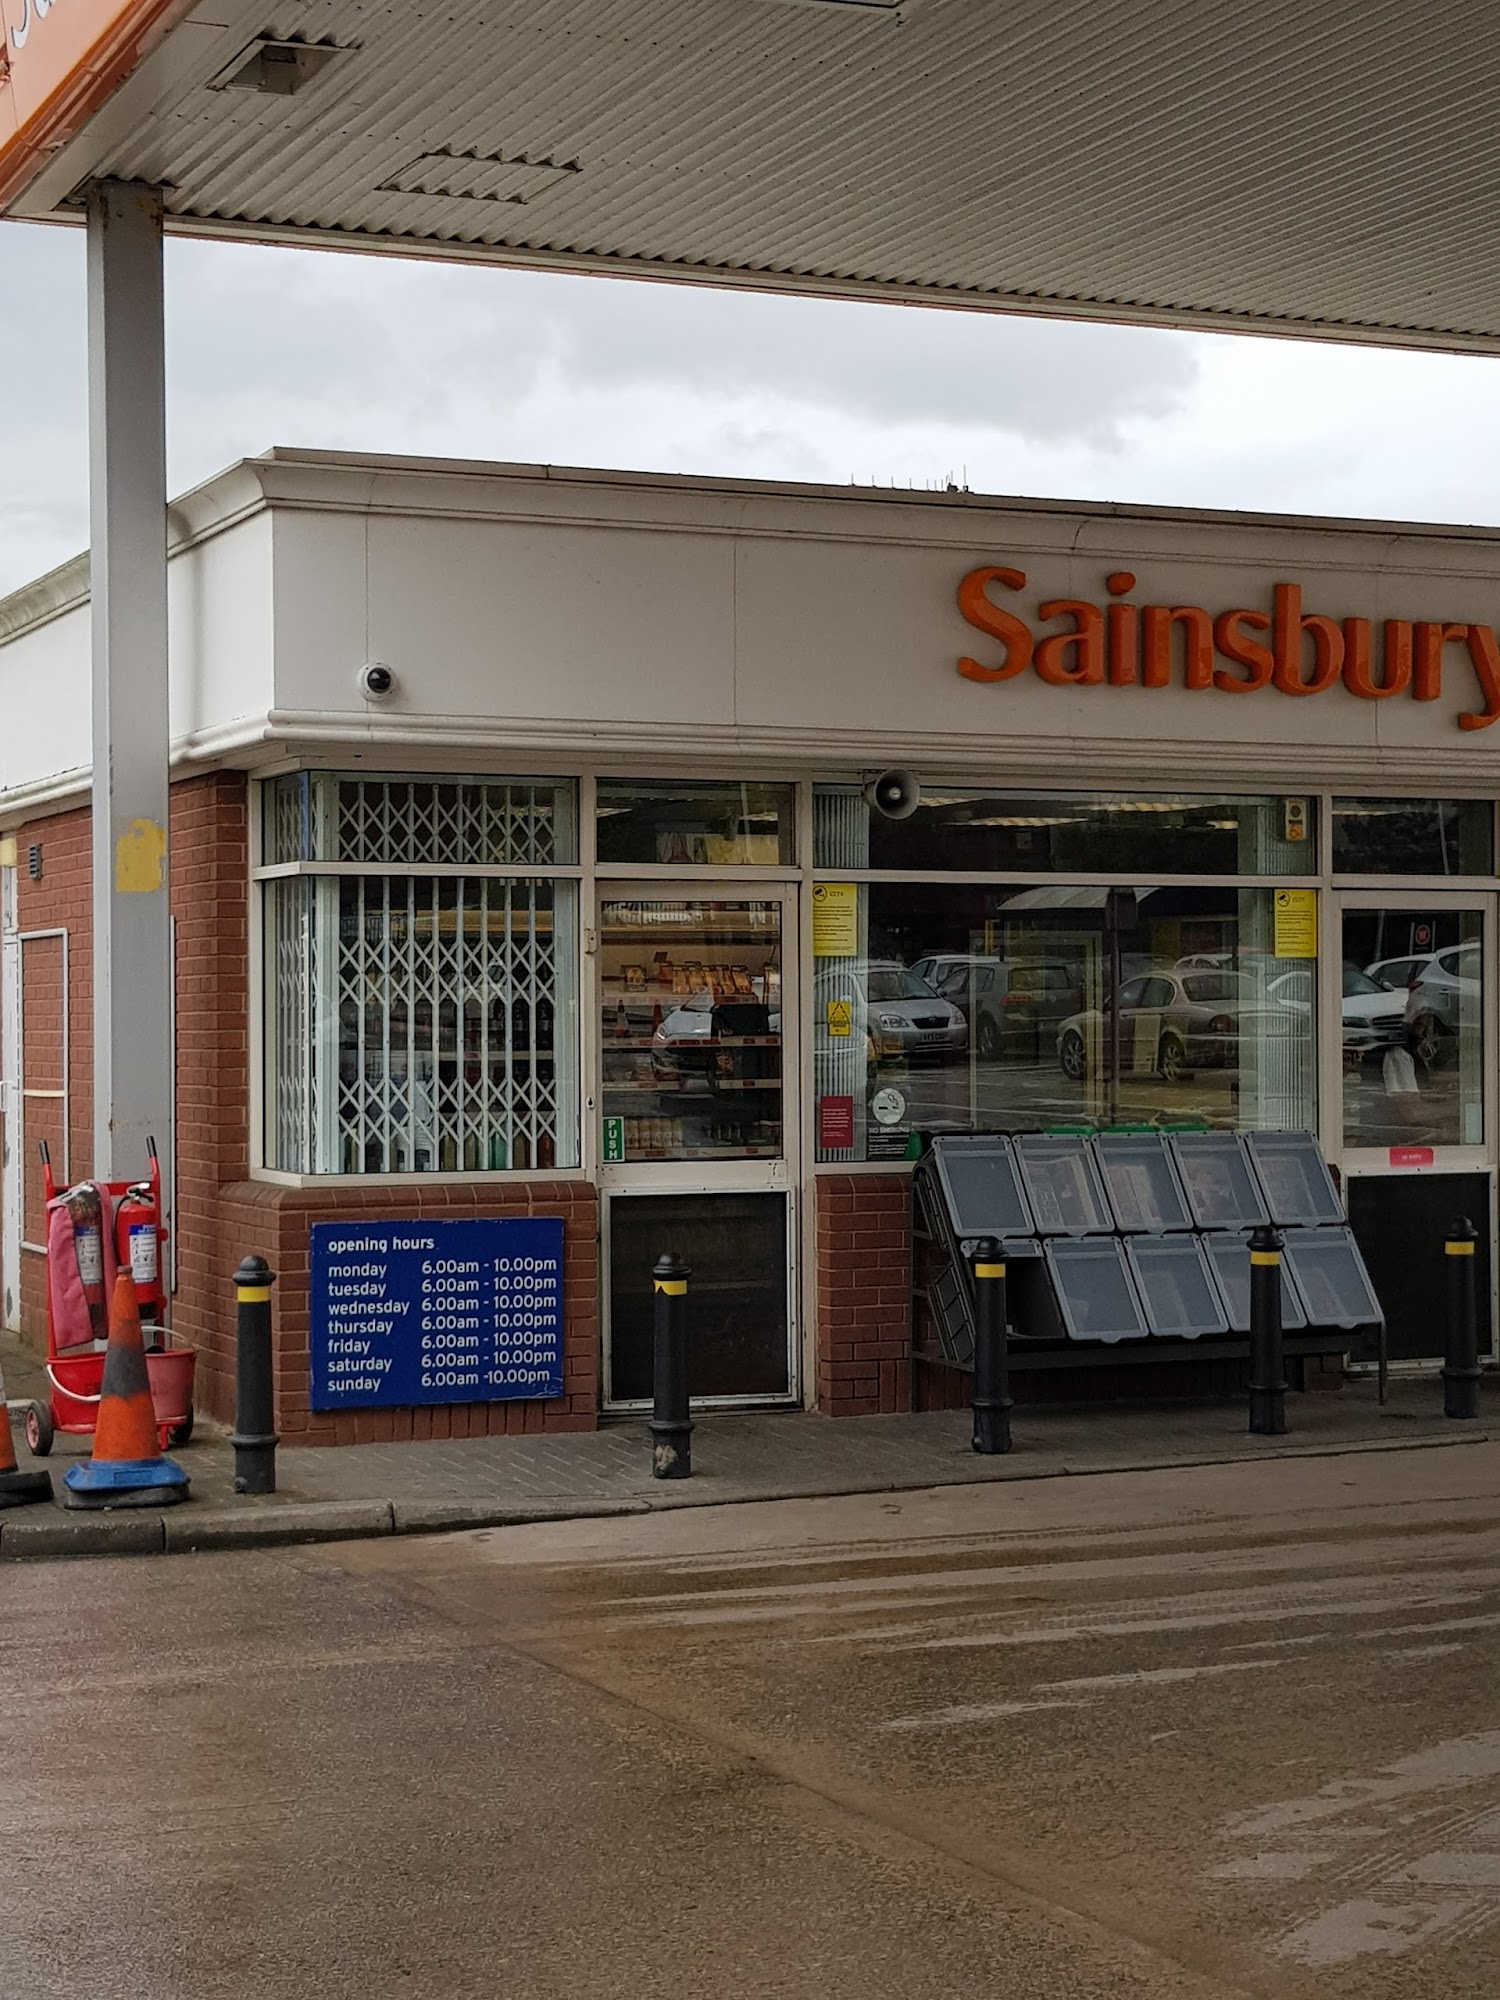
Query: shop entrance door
[698,1134]
[1414,1101]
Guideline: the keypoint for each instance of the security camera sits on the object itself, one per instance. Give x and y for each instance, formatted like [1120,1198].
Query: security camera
[895,794]
[375,681]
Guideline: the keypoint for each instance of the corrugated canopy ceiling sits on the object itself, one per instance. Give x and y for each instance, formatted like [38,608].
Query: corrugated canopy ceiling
[1293,165]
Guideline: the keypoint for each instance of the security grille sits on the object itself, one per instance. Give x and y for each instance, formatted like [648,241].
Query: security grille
[420,1023]
[420,821]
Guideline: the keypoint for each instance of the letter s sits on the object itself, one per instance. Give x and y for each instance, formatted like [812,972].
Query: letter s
[980,611]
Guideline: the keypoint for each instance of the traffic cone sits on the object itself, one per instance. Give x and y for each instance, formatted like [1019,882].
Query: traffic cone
[126,1468]
[17,1487]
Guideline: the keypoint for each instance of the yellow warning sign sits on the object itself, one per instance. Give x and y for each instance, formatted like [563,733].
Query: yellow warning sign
[840,1017]
[835,920]
[1296,923]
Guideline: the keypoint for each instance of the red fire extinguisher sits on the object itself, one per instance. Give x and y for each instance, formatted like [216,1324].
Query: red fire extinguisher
[138,1236]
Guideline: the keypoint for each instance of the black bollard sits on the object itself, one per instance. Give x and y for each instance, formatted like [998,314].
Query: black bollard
[991,1356]
[671,1426]
[1461,1358]
[1267,1377]
[254,1437]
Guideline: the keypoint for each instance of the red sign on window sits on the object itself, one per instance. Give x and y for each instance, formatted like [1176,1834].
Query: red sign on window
[1411,1156]
[835,1123]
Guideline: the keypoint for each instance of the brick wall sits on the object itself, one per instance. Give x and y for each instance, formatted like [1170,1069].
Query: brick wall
[221,1214]
[863,1294]
[273,1222]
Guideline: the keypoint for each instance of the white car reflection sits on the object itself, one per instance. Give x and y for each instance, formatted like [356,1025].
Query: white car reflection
[1370,1012]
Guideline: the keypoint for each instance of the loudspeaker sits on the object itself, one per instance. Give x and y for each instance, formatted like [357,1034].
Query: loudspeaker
[895,794]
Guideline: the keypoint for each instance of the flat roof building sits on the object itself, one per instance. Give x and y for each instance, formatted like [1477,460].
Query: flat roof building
[529,866]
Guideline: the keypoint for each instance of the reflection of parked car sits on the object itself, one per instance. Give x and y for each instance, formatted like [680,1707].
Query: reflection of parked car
[1370,1012]
[1009,1003]
[903,1013]
[1444,998]
[1171,1022]
[684,1042]
[1399,973]
[1254,964]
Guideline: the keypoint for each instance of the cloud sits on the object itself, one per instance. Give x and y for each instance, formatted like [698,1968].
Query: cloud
[269,346]
[383,354]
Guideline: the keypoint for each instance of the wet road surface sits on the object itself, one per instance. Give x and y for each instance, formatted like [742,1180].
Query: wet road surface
[1215,1731]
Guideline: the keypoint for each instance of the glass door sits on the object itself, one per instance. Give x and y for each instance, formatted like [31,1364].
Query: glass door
[1416,1097]
[696,1057]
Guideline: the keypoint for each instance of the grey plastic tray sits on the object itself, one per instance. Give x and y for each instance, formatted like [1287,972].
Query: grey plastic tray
[1176,1286]
[1295,1180]
[1220,1184]
[1229,1257]
[1330,1274]
[1141,1179]
[1062,1184]
[981,1185]
[1096,1294]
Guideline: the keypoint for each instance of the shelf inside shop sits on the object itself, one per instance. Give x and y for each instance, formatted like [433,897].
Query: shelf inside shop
[626,1045]
[698,1086]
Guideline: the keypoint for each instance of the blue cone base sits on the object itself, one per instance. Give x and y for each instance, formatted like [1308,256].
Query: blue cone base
[111,1483]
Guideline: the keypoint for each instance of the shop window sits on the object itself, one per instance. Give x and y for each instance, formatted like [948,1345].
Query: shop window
[1414,1008]
[688,824]
[419,1023]
[956,1008]
[416,821]
[1413,837]
[977,830]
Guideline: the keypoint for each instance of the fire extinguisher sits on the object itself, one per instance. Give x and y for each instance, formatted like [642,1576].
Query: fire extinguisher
[138,1251]
[85,1212]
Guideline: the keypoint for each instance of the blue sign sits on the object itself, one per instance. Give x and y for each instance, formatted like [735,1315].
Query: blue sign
[435,1312]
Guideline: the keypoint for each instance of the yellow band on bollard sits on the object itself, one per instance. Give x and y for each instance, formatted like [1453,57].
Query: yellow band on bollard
[1264,1257]
[252,1295]
[1459,1249]
[675,1288]
[989,1270]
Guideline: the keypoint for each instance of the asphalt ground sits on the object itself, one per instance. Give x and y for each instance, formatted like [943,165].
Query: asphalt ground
[1231,1730]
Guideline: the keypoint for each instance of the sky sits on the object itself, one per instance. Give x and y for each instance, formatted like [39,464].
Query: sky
[311,348]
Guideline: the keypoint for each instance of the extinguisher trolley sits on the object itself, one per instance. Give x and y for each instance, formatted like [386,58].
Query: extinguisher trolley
[75,1378]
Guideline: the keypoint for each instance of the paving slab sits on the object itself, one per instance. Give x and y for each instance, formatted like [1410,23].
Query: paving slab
[358,1491]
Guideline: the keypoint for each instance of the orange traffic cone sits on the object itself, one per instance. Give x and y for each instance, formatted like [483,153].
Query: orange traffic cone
[17,1487]
[127,1467]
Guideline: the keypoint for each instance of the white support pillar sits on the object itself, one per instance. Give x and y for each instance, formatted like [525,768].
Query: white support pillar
[132,969]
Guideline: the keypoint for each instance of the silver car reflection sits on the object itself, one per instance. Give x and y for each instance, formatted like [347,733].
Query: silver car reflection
[903,1015]
[1171,1023]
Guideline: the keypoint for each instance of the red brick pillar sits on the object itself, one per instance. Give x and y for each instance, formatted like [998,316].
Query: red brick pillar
[864,1294]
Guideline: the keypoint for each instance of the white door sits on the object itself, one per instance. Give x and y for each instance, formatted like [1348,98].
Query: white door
[696,1098]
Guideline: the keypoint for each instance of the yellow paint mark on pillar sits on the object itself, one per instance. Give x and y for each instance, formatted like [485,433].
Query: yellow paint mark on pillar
[139,854]
[7,850]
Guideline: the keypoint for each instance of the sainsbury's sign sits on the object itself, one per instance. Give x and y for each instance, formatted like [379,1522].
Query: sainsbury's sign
[1287,648]
[59,61]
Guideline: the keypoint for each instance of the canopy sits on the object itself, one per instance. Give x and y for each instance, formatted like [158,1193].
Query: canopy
[1292,166]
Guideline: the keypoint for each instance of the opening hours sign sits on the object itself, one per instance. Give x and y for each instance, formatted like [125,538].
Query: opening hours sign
[435,1312]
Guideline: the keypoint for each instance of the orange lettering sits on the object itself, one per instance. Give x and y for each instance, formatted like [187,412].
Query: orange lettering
[980,611]
[1359,675]
[1287,628]
[1156,645]
[1229,637]
[1085,641]
[1486,657]
[1427,676]
[1122,644]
